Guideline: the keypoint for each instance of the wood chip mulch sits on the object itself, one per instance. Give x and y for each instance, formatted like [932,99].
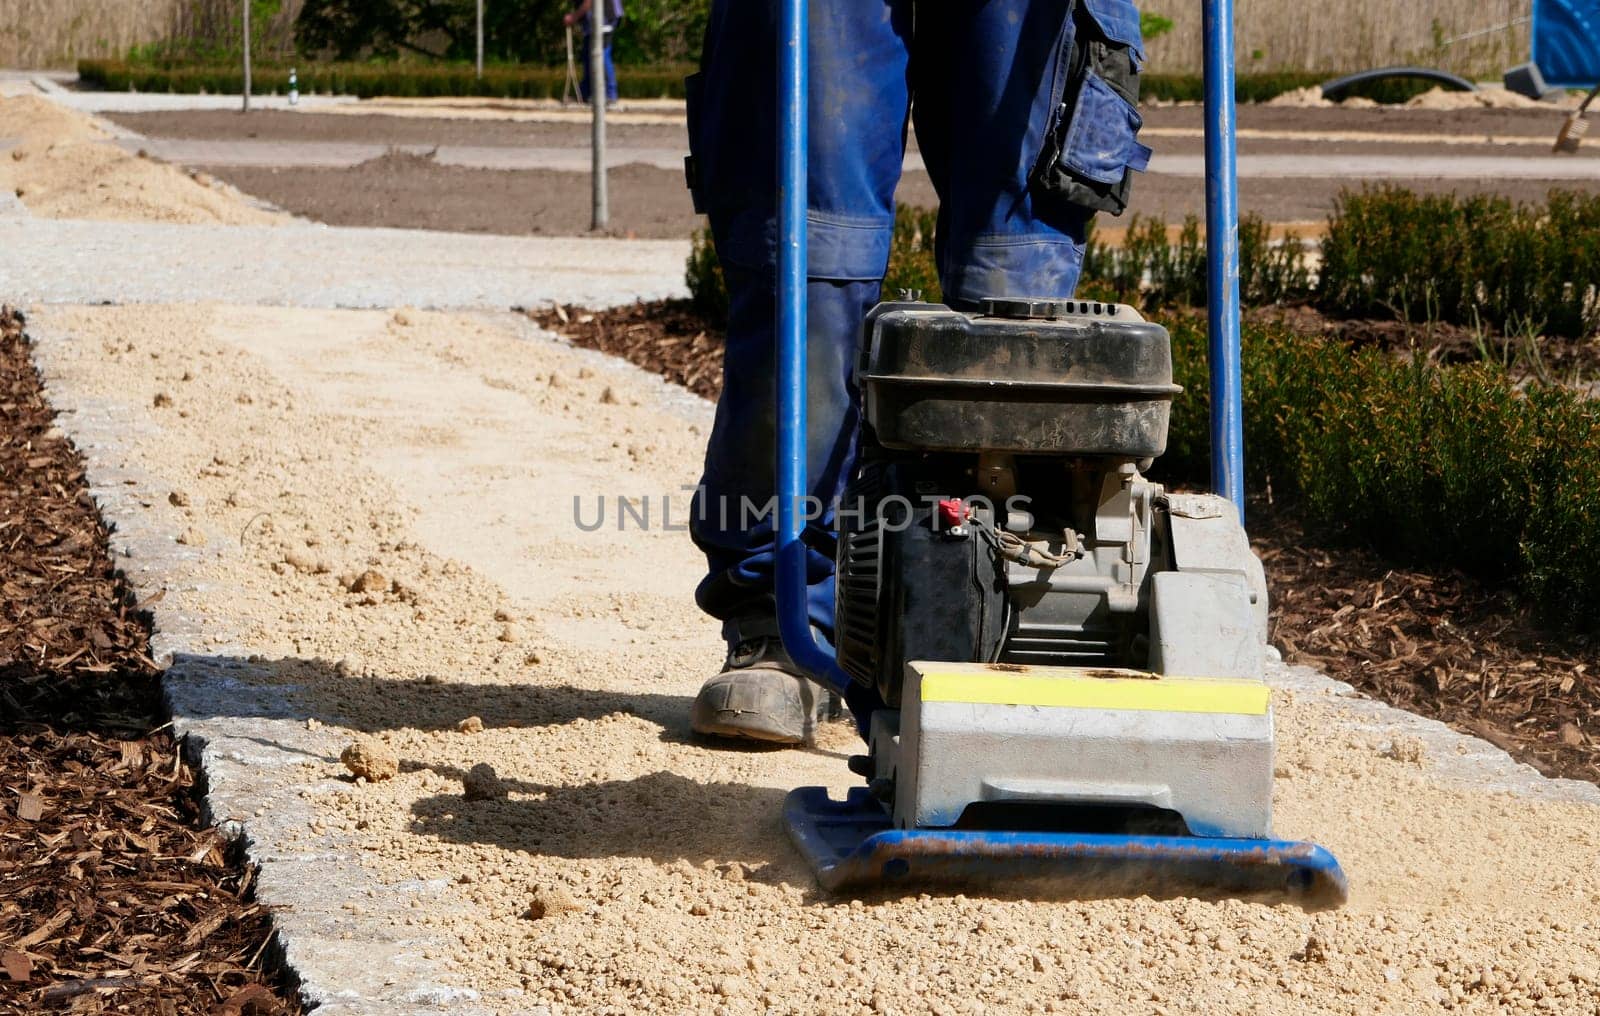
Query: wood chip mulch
[1439,644]
[667,337]
[114,895]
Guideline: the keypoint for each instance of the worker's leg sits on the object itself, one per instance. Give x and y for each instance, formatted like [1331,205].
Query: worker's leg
[611,72]
[1000,85]
[585,58]
[588,70]
[858,106]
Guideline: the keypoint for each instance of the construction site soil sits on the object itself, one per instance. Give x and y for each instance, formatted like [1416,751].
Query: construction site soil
[1439,644]
[446,130]
[115,893]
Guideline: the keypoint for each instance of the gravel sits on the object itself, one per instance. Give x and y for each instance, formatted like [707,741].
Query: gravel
[72,261]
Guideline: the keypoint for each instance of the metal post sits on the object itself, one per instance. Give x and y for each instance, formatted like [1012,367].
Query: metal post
[245,4]
[480,40]
[1222,256]
[794,621]
[597,101]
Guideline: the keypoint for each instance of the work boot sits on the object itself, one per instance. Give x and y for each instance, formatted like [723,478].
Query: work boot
[760,694]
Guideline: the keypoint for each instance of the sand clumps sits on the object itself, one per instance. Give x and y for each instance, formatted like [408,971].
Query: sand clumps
[482,783]
[66,166]
[371,760]
[1486,97]
[1309,96]
[551,901]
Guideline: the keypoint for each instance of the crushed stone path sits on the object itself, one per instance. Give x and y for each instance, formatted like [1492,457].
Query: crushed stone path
[304,265]
[362,523]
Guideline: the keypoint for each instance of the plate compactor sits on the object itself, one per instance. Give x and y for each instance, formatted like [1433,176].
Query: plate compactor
[1071,656]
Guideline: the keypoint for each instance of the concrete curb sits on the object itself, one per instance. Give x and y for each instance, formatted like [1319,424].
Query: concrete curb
[347,964]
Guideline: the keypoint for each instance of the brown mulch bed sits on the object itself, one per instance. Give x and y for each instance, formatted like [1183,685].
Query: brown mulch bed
[1442,645]
[1574,362]
[668,337]
[114,895]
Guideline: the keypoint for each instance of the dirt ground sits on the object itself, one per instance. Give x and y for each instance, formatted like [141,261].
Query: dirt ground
[115,895]
[444,130]
[411,192]
[648,202]
[629,867]
[415,192]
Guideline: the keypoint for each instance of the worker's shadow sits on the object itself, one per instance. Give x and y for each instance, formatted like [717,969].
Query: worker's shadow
[662,816]
[330,693]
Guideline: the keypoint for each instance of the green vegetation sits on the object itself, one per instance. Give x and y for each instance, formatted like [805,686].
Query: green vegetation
[1478,261]
[1454,467]
[1481,262]
[1153,271]
[703,273]
[530,31]
[1247,87]
[369,80]
[1153,26]
[407,71]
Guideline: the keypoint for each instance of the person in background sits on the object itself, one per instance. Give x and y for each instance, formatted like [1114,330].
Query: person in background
[580,16]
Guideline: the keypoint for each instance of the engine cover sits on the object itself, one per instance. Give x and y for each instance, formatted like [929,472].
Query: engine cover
[1061,377]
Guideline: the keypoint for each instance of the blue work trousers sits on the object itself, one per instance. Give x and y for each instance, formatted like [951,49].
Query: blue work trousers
[987,78]
[588,70]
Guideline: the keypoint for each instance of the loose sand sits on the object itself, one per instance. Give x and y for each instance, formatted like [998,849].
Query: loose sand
[1486,97]
[627,868]
[64,166]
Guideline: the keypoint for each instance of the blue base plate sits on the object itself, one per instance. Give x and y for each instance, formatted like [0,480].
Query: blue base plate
[851,845]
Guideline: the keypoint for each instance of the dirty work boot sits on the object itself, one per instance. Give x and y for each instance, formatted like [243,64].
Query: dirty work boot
[760,694]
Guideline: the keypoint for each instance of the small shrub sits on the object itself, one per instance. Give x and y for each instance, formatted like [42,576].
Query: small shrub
[912,265]
[1465,260]
[1150,270]
[1443,466]
[707,291]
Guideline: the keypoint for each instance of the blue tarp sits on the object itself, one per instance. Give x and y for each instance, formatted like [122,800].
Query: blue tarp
[1566,42]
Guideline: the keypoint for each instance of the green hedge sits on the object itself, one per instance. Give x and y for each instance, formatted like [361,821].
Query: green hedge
[1454,467]
[1150,270]
[1475,261]
[369,80]
[1246,87]
[1444,466]
[533,81]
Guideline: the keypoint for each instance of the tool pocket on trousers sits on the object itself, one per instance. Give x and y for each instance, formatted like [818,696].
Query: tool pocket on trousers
[1092,149]
[694,167]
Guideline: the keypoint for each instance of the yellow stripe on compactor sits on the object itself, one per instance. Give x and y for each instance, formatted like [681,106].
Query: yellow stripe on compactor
[1068,689]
